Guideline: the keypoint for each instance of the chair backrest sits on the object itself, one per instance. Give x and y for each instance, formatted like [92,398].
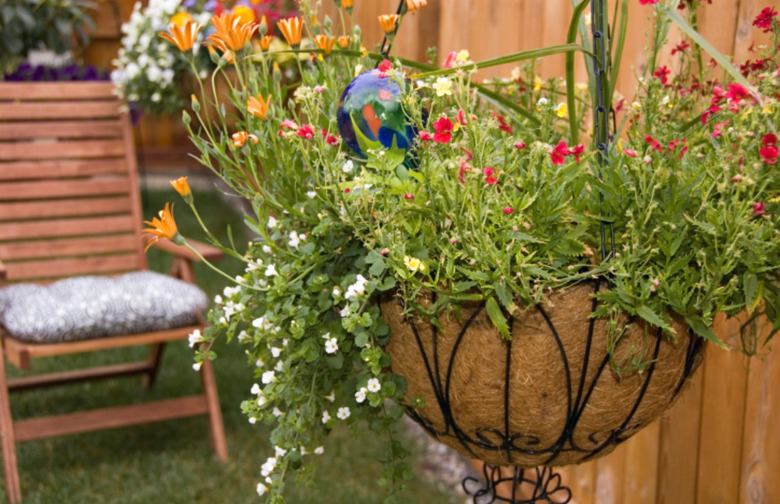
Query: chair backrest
[69,202]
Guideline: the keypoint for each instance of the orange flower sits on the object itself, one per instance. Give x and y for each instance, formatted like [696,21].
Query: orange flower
[347,4]
[292,29]
[344,41]
[324,43]
[231,32]
[240,138]
[182,187]
[257,106]
[244,13]
[164,227]
[388,22]
[413,5]
[183,36]
[265,42]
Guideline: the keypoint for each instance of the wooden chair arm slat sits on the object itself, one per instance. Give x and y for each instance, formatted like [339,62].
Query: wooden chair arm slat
[209,252]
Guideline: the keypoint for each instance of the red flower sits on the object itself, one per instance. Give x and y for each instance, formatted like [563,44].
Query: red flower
[681,47]
[648,2]
[736,93]
[662,73]
[469,156]
[384,67]
[332,140]
[450,60]
[764,19]
[712,110]
[559,153]
[461,117]
[287,124]
[769,139]
[502,124]
[769,154]
[576,151]
[425,136]
[443,129]
[490,175]
[758,208]
[464,167]
[654,143]
[520,145]
[508,210]
[306,131]
[409,196]
[629,153]
[718,127]
[347,190]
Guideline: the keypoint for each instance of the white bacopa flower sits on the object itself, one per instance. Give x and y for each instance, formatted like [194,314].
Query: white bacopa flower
[271,270]
[331,346]
[268,466]
[243,336]
[360,395]
[261,489]
[374,385]
[267,250]
[294,240]
[348,166]
[325,417]
[217,299]
[343,413]
[256,389]
[331,397]
[280,452]
[195,337]
[319,450]
[277,412]
[262,401]
[197,366]
[279,366]
[542,101]
[270,377]
[252,420]
[272,222]
[231,291]
[344,312]
[276,352]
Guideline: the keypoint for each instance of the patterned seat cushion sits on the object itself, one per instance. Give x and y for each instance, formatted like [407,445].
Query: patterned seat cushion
[92,307]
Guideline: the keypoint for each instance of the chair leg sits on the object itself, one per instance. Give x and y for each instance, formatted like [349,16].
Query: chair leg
[13,488]
[217,429]
[153,362]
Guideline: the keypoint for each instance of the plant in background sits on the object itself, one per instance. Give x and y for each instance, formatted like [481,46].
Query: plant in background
[150,73]
[484,192]
[56,25]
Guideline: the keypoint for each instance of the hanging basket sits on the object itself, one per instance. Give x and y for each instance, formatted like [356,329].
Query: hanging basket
[549,396]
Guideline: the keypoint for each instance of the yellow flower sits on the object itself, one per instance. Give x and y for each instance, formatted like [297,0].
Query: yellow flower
[180,18]
[413,5]
[462,56]
[344,41]
[324,42]
[182,37]
[244,13]
[561,110]
[292,29]
[415,264]
[537,83]
[230,32]
[240,138]
[257,106]
[164,227]
[388,22]
[182,187]
[265,42]
[314,20]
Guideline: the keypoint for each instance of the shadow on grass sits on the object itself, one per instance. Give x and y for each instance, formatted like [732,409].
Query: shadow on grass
[172,462]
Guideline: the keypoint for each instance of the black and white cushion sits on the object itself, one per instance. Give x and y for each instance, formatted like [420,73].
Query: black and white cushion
[92,307]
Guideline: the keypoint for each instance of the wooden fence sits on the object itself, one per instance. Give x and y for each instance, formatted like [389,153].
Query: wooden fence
[721,443]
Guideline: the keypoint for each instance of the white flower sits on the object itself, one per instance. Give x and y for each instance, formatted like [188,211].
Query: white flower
[272,222]
[279,366]
[268,466]
[277,412]
[542,101]
[280,452]
[374,385]
[266,249]
[345,312]
[243,336]
[443,86]
[294,240]
[319,450]
[270,376]
[231,291]
[195,337]
[197,366]
[325,417]
[331,397]
[311,194]
[262,401]
[357,288]
[343,413]
[271,270]
[256,389]
[348,166]
[336,291]
[261,489]
[360,395]
[276,352]
[217,299]
[331,346]
[252,420]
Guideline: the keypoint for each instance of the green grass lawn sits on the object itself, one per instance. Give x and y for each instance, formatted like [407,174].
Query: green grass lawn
[172,462]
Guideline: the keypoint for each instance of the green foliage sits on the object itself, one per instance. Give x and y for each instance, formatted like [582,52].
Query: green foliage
[41,24]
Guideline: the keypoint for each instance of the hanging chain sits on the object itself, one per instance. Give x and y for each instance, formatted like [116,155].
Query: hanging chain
[601,67]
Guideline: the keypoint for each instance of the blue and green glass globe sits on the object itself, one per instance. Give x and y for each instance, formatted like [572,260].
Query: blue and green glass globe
[371,115]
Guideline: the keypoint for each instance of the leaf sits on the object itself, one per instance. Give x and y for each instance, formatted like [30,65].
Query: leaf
[497,316]
[504,294]
[571,37]
[652,317]
[387,284]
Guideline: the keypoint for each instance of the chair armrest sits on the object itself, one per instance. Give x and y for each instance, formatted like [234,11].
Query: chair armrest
[206,250]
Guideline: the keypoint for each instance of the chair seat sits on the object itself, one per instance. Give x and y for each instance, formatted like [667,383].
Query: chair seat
[88,307]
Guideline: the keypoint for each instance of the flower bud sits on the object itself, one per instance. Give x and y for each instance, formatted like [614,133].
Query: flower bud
[194,103]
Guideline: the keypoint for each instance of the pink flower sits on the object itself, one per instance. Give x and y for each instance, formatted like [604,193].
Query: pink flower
[384,252]
[648,2]
[443,129]
[559,153]
[461,117]
[718,129]
[736,178]
[576,151]
[464,167]
[287,125]
[409,196]
[654,143]
[347,190]
[318,88]
[384,67]
[681,47]
[306,131]
[520,145]
[629,153]
[469,156]
[769,152]
[332,140]
[450,60]
[662,73]
[502,124]
[508,210]
[764,19]
[425,136]
[490,175]
[758,208]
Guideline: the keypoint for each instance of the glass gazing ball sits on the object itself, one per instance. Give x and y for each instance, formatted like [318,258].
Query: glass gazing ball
[370,115]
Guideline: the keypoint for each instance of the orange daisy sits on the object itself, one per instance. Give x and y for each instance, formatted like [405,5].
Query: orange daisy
[413,5]
[240,138]
[164,227]
[388,22]
[182,187]
[265,42]
[257,106]
[292,29]
[182,36]
[231,32]
[344,41]
[324,42]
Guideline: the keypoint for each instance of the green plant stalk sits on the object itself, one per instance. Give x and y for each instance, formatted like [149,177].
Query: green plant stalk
[571,38]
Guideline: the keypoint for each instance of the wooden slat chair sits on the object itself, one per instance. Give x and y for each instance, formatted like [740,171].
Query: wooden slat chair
[69,205]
